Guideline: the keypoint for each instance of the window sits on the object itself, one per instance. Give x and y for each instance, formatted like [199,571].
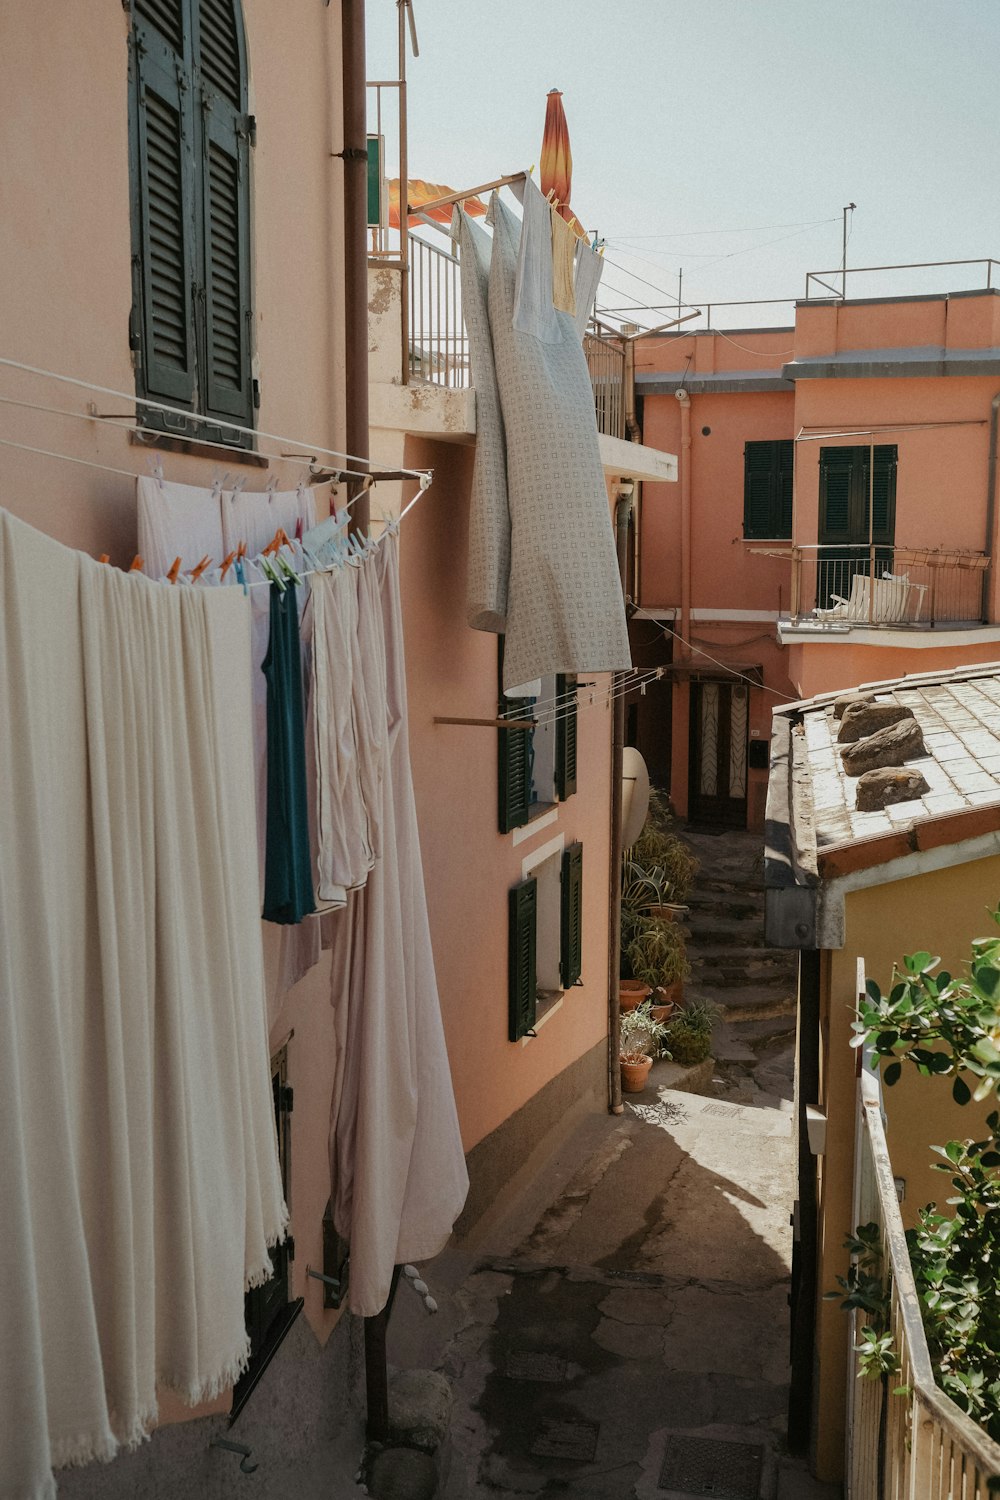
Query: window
[189,142]
[537,766]
[767,489]
[269,1313]
[545,937]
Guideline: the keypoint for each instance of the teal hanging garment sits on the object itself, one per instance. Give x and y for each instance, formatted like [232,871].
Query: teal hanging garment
[288,886]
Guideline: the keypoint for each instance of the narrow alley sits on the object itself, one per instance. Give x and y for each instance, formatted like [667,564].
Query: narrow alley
[621,1328]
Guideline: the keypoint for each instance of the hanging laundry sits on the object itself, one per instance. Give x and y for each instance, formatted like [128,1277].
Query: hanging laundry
[564,606]
[564,242]
[139,1174]
[177,520]
[534,297]
[288,886]
[255,516]
[398,1175]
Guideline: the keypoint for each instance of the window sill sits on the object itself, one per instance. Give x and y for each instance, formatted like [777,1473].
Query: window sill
[546,1010]
[169,442]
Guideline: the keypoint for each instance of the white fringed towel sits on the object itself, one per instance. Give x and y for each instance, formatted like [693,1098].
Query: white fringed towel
[139,1174]
[398,1175]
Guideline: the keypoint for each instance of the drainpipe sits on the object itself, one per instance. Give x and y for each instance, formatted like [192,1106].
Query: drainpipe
[355,155]
[991,494]
[685,405]
[623,510]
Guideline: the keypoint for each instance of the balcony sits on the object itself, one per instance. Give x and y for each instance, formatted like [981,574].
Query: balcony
[905,1437]
[836,589]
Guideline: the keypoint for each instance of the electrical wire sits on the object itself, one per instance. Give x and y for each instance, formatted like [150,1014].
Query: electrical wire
[179,411]
[751,229]
[644,614]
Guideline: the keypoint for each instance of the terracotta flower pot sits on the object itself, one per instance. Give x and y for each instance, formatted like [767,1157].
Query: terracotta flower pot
[631,992]
[663,1012]
[634,1075]
[672,993]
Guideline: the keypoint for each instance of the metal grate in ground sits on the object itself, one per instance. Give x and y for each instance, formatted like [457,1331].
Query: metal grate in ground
[711,1466]
[574,1440]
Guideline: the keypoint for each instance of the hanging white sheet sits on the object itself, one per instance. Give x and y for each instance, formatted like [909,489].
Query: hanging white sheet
[254,516]
[139,1174]
[177,520]
[563,601]
[398,1174]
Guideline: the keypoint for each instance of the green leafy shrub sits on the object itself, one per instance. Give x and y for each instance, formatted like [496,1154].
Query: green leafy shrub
[689,1033]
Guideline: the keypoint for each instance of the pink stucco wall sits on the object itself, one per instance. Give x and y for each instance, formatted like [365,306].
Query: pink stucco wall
[64,306]
[469,866]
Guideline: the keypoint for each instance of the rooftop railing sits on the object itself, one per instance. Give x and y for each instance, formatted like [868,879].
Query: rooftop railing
[906,1440]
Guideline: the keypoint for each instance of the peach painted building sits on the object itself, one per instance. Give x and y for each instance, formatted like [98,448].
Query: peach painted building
[766,564]
[249,317]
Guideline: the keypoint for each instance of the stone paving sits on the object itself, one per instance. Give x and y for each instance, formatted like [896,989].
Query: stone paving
[632,1301]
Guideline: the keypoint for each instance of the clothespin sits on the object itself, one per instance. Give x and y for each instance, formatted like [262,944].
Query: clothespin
[241,574]
[287,568]
[270,572]
[271,486]
[226,564]
[241,550]
[642,690]
[105,557]
[299,529]
[175,568]
[237,486]
[137,564]
[156,469]
[197,571]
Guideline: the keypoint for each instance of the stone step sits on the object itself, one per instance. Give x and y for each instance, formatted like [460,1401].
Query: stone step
[758,1033]
[749,1003]
[738,905]
[760,962]
[712,929]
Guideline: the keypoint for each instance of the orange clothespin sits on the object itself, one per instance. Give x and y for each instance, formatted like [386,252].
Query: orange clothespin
[197,571]
[175,568]
[137,564]
[227,563]
[105,557]
[241,550]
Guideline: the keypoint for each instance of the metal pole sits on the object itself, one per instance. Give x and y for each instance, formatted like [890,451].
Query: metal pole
[623,510]
[404,204]
[843,262]
[355,157]
[871,531]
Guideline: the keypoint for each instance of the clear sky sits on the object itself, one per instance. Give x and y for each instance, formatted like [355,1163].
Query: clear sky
[707,134]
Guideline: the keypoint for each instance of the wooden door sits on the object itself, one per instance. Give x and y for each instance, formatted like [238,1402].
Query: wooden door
[718,760]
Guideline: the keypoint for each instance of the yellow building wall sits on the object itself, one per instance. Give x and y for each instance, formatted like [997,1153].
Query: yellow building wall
[942,912]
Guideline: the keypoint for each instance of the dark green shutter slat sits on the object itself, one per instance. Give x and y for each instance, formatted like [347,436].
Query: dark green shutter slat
[571,933]
[884,492]
[514,765]
[521,985]
[219,48]
[767,488]
[168,18]
[836,478]
[166,226]
[566,736]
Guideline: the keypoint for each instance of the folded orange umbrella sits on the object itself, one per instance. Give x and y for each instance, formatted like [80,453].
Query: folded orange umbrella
[555,165]
[428,192]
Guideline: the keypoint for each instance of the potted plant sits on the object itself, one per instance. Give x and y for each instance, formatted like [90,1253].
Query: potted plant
[659,848]
[657,956]
[638,1032]
[688,1033]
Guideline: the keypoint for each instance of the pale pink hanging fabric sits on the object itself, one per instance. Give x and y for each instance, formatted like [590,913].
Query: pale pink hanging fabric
[398,1174]
[139,1174]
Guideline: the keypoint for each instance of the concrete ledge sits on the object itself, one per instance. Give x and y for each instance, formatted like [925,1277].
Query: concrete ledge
[433,411]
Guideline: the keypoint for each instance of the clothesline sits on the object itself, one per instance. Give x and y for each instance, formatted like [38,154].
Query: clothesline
[787,698]
[180,411]
[122,424]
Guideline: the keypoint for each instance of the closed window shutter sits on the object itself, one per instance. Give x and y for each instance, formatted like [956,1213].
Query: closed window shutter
[884,491]
[566,726]
[164,121]
[571,933]
[836,470]
[521,984]
[226,212]
[767,489]
[514,765]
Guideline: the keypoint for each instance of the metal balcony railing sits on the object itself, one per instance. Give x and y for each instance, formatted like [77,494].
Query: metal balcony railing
[891,587]
[906,1440]
[439,345]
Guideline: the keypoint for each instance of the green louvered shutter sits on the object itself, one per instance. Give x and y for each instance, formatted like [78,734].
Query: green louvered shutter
[836,479]
[566,725]
[514,765]
[884,487]
[758,490]
[785,466]
[571,926]
[164,202]
[521,984]
[225,152]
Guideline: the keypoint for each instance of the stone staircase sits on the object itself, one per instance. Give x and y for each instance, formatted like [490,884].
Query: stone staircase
[753,986]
